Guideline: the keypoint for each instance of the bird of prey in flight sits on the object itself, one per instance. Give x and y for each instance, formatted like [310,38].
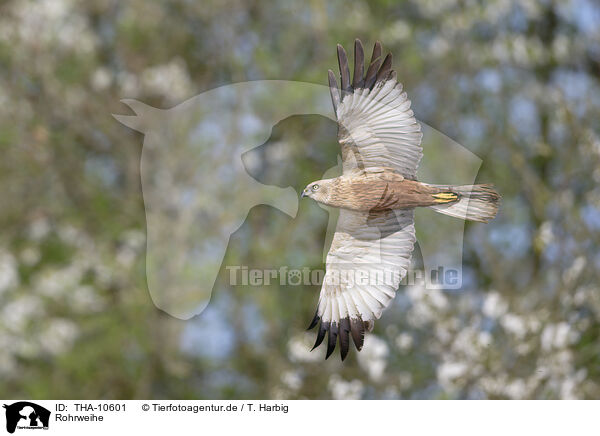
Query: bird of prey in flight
[376,195]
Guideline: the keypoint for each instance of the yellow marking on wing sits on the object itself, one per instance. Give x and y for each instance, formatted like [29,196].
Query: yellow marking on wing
[445,197]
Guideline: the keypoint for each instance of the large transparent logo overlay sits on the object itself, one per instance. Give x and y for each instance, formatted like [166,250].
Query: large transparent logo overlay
[197,192]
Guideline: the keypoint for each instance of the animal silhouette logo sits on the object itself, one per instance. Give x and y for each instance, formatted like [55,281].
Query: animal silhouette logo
[197,192]
[26,415]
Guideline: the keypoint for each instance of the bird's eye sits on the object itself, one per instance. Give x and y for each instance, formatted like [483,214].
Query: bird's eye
[315,187]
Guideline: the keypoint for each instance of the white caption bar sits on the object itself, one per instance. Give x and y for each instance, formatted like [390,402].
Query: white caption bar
[306,417]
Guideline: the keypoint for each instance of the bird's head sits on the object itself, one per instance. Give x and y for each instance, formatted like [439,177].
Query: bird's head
[318,191]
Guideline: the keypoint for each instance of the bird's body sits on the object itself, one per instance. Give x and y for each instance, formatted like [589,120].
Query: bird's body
[381,189]
[377,193]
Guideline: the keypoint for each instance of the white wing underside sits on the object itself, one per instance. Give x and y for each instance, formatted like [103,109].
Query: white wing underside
[369,256]
[377,128]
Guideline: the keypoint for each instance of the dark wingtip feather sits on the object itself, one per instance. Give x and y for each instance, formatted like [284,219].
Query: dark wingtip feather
[314,321]
[333,333]
[357,329]
[385,69]
[344,68]
[373,66]
[321,335]
[344,337]
[359,64]
[376,50]
[334,90]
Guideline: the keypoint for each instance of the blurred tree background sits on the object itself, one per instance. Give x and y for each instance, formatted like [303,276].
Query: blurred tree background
[515,81]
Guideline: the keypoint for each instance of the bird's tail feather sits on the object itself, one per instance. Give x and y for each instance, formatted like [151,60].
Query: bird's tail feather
[476,202]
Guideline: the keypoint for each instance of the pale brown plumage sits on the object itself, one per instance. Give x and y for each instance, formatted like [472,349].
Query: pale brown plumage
[374,190]
[377,192]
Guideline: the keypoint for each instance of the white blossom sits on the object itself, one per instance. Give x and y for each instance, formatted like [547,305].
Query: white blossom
[345,390]
[373,357]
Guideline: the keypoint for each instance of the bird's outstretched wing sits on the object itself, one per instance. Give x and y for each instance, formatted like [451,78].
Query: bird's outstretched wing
[369,255]
[376,127]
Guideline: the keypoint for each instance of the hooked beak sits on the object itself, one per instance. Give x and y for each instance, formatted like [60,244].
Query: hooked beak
[304,194]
